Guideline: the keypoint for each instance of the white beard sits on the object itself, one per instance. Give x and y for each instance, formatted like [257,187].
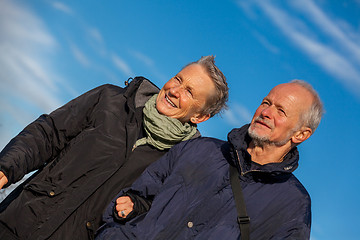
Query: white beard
[264,140]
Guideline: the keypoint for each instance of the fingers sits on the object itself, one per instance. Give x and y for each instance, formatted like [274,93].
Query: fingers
[124,200]
[3,179]
[124,203]
[122,212]
[124,206]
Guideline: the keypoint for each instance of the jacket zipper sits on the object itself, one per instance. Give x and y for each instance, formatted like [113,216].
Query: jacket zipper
[241,170]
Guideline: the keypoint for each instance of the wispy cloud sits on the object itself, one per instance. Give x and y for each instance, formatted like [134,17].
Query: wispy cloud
[28,83]
[97,41]
[23,42]
[330,27]
[79,55]
[266,43]
[62,7]
[338,55]
[237,115]
[143,58]
[96,35]
[150,64]
[122,65]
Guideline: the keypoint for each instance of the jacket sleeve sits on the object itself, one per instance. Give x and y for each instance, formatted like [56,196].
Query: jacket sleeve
[293,231]
[42,140]
[145,188]
[299,226]
[154,176]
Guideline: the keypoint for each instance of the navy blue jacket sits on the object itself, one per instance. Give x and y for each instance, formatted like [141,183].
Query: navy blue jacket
[192,196]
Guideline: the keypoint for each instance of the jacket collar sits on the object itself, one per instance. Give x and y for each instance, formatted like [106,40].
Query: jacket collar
[239,140]
[139,90]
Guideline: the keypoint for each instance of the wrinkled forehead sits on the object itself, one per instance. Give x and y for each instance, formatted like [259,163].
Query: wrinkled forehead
[292,93]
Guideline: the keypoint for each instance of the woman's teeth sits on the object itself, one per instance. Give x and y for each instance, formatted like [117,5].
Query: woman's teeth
[170,102]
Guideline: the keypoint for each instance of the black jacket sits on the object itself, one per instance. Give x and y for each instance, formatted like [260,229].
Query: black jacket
[84,152]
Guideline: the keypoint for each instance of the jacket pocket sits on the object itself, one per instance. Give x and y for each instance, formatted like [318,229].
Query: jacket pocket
[44,188]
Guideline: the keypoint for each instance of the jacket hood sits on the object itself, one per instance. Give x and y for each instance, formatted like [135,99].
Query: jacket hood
[141,90]
[239,139]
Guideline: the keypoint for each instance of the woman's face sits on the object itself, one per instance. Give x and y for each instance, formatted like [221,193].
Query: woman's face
[184,96]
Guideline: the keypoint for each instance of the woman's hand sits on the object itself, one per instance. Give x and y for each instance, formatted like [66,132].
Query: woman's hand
[124,206]
[3,179]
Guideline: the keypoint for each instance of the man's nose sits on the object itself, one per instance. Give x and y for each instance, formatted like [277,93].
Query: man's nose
[267,112]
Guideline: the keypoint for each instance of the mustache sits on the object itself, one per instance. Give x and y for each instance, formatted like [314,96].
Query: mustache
[264,121]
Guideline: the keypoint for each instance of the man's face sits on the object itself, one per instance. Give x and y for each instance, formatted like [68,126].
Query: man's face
[277,118]
[184,96]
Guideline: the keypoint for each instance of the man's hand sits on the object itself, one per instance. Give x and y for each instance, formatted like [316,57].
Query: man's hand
[124,206]
[3,179]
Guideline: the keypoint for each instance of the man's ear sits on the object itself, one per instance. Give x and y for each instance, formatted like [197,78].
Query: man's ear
[301,135]
[199,118]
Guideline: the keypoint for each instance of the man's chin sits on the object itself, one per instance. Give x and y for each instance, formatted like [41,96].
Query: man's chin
[263,140]
[255,135]
[255,132]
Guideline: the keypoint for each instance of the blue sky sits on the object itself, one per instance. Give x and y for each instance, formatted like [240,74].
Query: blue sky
[52,51]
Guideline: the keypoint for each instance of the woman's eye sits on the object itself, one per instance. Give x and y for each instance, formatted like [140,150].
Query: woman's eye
[189,91]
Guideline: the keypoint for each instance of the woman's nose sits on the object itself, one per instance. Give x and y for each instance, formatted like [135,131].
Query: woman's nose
[175,91]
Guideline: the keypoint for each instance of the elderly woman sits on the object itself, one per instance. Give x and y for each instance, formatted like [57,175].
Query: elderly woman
[97,144]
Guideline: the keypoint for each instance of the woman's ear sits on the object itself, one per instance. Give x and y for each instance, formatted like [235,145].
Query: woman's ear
[301,135]
[199,118]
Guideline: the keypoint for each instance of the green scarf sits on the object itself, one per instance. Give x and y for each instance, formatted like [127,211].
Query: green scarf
[163,132]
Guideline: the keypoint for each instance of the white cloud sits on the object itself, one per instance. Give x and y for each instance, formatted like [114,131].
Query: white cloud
[24,78]
[62,7]
[122,65]
[79,56]
[266,43]
[96,35]
[237,115]
[143,58]
[331,61]
[19,26]
[96,40]
[330,27]
[24,73]
[29,85]
[246,6]
[150,64]
[339,55]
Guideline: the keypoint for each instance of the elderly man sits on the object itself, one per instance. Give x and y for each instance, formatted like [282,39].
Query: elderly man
[187,193]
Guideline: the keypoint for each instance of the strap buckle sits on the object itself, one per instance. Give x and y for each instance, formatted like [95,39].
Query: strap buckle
[128,81]
[243,220]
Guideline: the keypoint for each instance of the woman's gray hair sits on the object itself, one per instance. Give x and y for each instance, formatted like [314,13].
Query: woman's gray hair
[312,117]
[216,102]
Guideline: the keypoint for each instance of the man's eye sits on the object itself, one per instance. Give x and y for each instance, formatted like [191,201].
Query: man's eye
[282,112]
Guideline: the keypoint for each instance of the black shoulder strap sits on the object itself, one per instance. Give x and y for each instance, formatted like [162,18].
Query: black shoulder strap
[243,218]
